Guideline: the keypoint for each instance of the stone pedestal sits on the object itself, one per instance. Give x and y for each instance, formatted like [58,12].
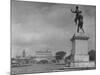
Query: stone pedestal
[80,50]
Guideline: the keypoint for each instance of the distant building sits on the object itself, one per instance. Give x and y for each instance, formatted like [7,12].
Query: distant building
[24,53]
[22,60]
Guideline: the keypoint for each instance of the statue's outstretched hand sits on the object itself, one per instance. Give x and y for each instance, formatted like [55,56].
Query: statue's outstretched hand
[72,11]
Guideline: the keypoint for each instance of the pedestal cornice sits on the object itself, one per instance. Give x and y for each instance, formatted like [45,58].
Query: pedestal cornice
[80,36]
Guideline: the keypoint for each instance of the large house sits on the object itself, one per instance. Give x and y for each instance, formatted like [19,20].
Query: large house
[44,55]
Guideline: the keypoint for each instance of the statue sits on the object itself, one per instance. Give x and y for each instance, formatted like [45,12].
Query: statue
[78,19]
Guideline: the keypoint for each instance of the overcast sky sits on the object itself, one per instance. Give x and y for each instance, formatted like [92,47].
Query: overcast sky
[38,26]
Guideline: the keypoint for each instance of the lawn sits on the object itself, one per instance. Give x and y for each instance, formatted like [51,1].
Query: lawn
[36,68]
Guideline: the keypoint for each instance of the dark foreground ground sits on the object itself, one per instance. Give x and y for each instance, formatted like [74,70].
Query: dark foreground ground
[41,68]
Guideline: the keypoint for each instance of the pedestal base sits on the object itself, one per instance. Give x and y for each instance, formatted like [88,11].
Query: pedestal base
[81,58]
[80,51]
[83,64]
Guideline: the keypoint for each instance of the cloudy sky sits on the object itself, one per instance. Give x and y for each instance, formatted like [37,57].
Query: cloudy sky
[40,26]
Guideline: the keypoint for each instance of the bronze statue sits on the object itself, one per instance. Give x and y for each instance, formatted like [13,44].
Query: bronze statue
[78,19]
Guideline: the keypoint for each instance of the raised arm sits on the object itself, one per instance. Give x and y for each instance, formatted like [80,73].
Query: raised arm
[73,11]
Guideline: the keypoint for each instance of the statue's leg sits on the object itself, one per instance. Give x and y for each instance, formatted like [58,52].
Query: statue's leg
[82,27]
[78,28]
[76,21]
[82,30]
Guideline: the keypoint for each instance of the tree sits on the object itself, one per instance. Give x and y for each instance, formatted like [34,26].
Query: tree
[92,55]
[68,60]
[53,61]
[60,55]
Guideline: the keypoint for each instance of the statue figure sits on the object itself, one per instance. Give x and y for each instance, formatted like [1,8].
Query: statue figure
[78,19]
